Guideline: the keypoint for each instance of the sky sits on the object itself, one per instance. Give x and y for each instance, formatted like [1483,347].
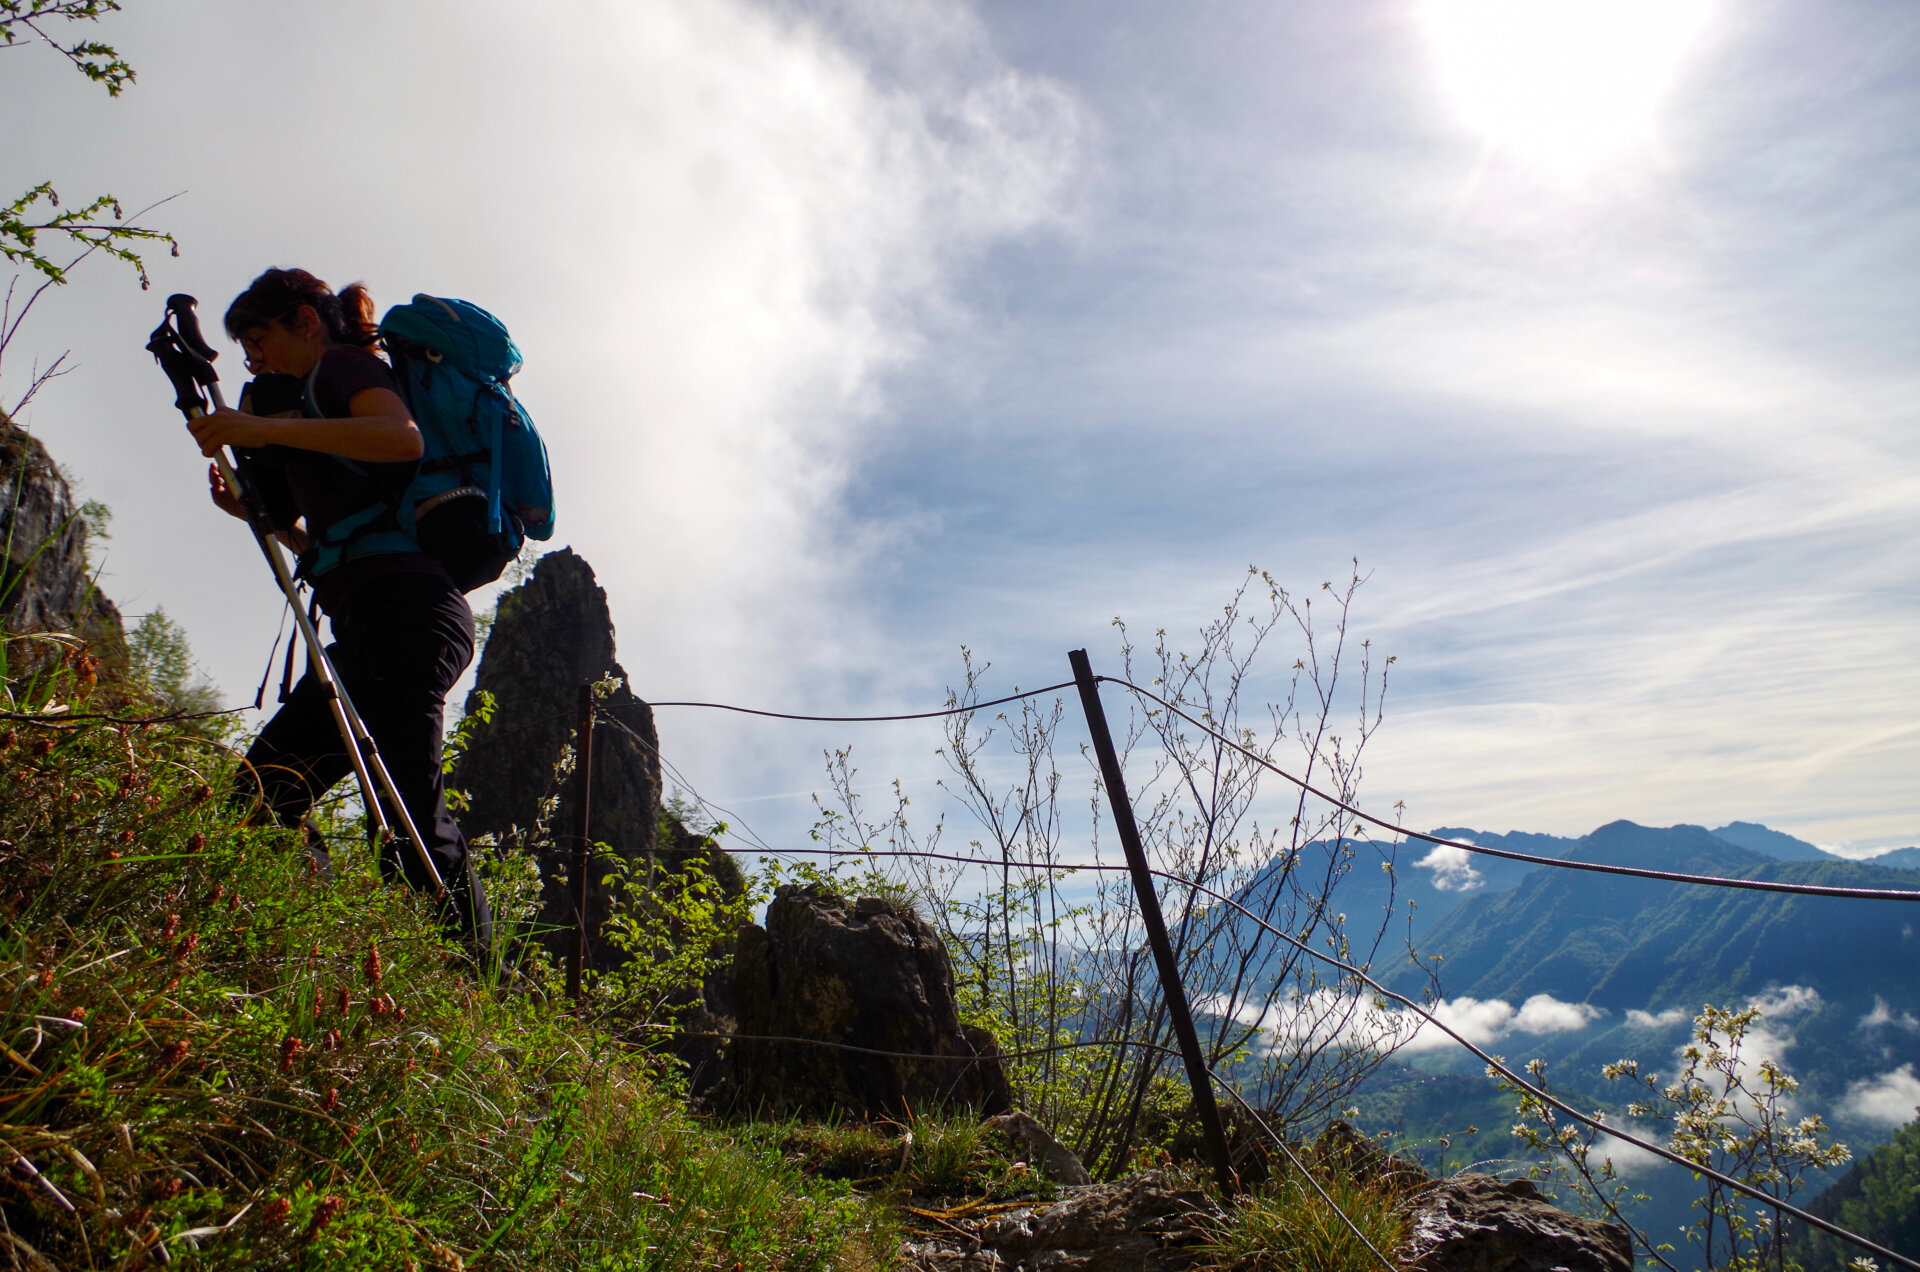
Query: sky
[864,332]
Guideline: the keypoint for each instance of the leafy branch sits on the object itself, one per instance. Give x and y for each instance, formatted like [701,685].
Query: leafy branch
[100,225]
[97,61]
[19,235]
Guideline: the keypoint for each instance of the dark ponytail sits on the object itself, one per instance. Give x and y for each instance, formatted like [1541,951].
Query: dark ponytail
[272,297]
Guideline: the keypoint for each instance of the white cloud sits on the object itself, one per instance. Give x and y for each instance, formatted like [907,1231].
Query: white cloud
[1452,868]
[1788,1000]
[1326,1015]
[1630,1160]
[1660,1020]
[1545,1014]
[1883,1015]
[1888,1100]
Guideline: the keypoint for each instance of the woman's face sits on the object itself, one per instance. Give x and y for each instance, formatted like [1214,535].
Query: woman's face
[288,345]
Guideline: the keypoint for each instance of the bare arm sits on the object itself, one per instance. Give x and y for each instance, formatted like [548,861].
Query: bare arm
[379,430]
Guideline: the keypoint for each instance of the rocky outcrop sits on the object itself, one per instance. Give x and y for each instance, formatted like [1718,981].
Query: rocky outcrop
[45,585]
[1144,1223]
[1476,1223]
[1047,1154]
[549,636]
[865,973]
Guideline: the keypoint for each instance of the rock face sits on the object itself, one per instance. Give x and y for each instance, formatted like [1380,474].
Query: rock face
[1476,1223]
[1143,1223]
[1043,1151]
[551,635]
[44,582]
[865,973]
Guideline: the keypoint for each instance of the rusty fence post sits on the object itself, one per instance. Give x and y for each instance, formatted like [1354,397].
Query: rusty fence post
[1171,989]
[582,839]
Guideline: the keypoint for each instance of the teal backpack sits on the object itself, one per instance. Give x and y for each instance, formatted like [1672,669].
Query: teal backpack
[483,486]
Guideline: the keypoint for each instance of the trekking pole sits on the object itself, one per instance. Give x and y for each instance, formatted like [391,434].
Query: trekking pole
[187,358]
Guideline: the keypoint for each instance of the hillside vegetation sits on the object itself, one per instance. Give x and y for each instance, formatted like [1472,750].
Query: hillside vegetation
[213,1052]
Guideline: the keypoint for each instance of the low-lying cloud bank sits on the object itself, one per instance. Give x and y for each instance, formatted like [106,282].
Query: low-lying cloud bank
[1327,1016]
[1889,1100]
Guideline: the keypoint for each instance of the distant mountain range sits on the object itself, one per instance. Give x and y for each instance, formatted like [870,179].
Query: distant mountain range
[1614,967]
[1581,969]
[1774,843]
[1633,944]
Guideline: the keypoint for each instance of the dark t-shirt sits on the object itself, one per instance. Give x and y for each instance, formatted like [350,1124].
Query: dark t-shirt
[321,488]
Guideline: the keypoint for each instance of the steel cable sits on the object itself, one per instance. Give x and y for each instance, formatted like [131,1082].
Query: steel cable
[879,719]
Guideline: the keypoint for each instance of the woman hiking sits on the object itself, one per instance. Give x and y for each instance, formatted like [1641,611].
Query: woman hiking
[327,439]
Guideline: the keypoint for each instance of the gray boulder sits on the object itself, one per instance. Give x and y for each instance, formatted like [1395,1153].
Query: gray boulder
[1143,1223]
[549,636]
[1043,1151]
[45,584]
[1476,1223]
[866,974]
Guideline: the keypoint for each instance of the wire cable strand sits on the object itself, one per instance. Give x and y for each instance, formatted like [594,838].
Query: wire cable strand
[1637,872]
[878,719]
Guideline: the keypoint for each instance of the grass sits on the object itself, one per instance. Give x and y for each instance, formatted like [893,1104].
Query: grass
[936,1160]
[1286,1224]
[214,1058]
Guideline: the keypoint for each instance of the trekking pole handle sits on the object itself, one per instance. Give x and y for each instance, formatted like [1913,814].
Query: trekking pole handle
[181,308]
[184,354]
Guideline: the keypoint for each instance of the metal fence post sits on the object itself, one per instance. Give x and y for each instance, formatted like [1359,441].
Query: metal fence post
[1171,989]
[583,770]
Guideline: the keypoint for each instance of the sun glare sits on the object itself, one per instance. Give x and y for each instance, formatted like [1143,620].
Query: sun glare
[1562,83]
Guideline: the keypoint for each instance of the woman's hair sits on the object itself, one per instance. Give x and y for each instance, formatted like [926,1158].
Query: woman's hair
[348,317]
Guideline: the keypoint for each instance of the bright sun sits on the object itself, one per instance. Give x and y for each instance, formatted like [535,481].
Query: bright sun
[1562,83]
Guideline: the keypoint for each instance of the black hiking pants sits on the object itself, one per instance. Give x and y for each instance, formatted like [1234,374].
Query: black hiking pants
[398,648]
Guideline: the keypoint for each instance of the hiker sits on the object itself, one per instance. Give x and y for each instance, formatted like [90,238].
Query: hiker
[325,436]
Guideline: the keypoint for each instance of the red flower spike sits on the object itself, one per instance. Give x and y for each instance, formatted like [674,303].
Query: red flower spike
[188,946]
[343,1000]
[289,1048]
[196,841]
[7,740]
[46,977]
[333,1040]
[173,1053]
[43,746]
[352,1132]
[173,928]
[329,1207]
[332,1101]
[233,901]
[372,966]
[276,1212]
[202,793]
[126,836]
